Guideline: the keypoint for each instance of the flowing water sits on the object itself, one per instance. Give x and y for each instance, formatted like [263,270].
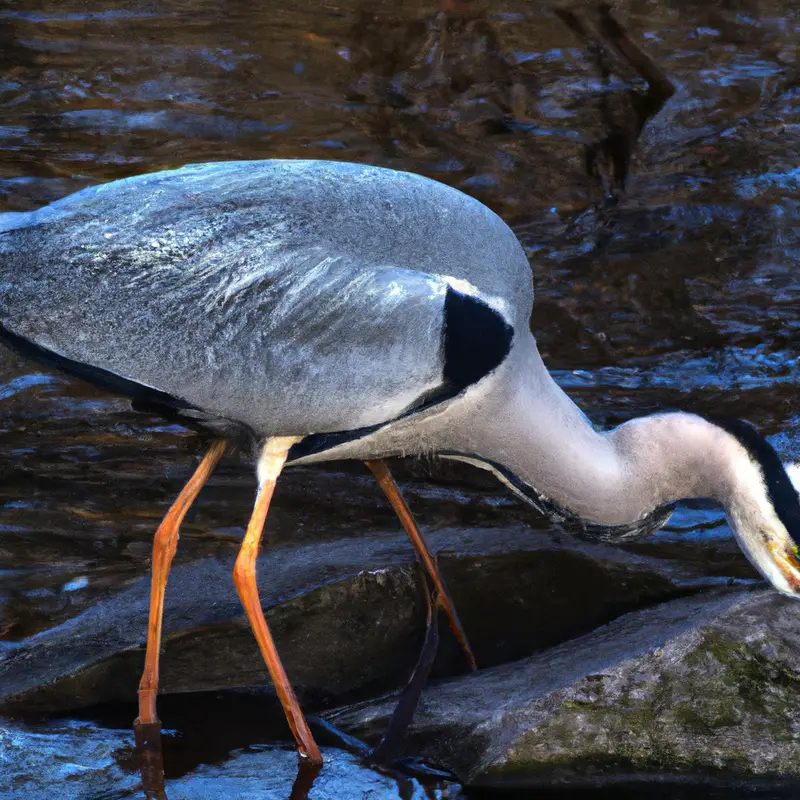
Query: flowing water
[678,289]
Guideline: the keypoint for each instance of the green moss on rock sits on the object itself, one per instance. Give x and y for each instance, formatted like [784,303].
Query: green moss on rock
[720,705]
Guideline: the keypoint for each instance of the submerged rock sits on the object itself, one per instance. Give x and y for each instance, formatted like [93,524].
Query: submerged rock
[76,756]
[87,761]
[697,687]
[348,616]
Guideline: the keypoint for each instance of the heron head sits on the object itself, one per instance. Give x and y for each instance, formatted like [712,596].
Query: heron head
[764,509]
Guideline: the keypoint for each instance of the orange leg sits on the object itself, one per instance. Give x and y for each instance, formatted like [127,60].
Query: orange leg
[386,481]
[270,464]
[164,546]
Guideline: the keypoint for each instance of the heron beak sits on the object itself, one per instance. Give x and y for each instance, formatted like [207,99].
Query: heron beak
[792,550]
[787,560]
[793,557]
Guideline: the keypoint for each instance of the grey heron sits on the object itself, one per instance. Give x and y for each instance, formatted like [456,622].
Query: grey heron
[325,310]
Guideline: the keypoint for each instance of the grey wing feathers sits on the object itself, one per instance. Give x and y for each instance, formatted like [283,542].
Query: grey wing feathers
[292,297]
[227,313]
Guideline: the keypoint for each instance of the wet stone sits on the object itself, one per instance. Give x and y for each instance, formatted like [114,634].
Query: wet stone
[347,615]
[699,688]
[88,761]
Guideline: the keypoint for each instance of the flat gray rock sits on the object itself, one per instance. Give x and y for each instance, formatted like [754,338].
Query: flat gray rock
[348,616]
[696,687]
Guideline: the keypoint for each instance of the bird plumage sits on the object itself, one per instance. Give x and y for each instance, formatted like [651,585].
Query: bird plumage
[289,297]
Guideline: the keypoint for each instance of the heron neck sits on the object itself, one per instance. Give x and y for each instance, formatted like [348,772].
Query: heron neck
[532,428]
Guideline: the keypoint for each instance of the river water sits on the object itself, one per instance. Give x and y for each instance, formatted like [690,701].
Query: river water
[664,249]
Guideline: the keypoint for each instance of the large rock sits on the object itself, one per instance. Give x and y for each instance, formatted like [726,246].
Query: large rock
[348,616]
[696,687]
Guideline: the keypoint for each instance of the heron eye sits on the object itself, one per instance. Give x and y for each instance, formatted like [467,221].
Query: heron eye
[794,555]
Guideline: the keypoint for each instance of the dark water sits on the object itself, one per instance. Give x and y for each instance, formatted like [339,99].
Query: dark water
[678,289]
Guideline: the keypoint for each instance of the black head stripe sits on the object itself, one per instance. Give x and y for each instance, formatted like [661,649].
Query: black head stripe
[780,489]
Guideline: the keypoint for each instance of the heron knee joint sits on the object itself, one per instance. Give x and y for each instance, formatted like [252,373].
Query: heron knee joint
[244,569]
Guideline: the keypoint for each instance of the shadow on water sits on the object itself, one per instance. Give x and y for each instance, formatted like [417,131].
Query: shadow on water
[651,176]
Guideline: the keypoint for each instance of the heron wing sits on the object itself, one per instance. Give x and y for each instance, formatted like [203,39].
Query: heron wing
[204,285]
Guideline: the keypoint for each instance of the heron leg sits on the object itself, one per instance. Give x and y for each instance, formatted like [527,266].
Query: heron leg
[164,546]
[273,457]
[386,481]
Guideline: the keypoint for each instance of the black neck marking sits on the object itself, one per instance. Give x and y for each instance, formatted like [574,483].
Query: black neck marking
[567,519]
[781,491]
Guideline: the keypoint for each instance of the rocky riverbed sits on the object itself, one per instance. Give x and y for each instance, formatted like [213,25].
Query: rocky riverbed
[349,615]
